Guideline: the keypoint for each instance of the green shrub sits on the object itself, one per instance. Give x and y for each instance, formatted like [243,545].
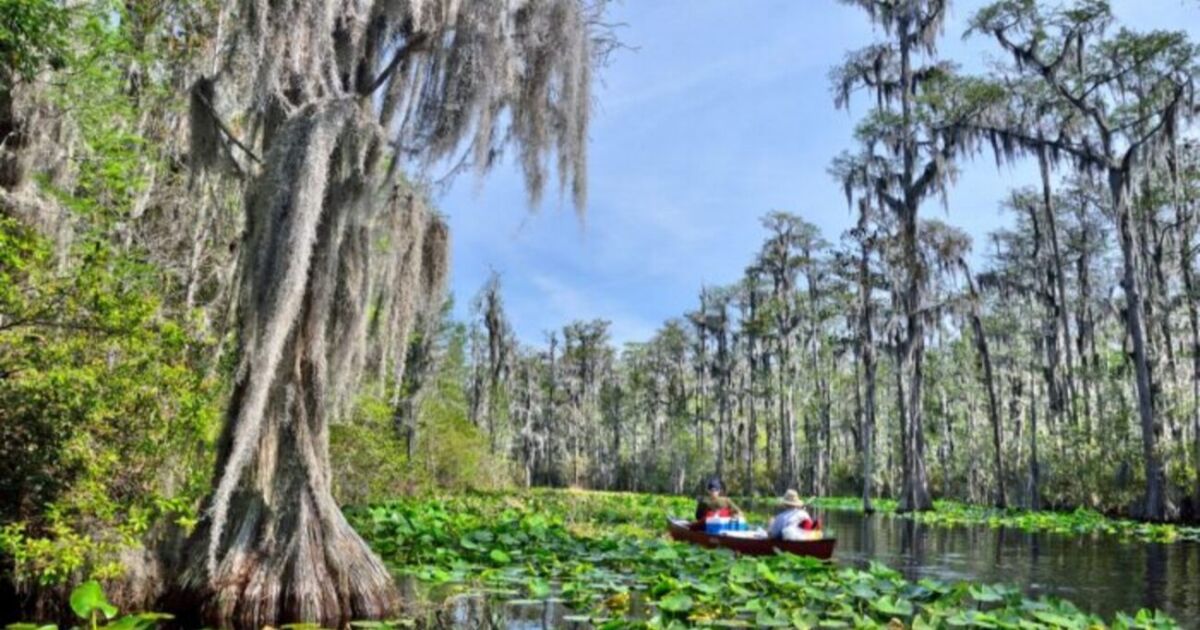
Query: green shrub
[370,461]
[105,424]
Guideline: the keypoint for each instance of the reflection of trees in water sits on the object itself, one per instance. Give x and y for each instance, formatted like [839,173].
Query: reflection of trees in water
[1154,578]
[866,533]
[1100,574]
[912,542]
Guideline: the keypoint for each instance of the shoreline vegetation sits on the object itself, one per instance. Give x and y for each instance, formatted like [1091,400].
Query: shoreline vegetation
[1077,522]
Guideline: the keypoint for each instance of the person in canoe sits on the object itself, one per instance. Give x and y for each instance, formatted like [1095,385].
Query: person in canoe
[792,521]
[715,505]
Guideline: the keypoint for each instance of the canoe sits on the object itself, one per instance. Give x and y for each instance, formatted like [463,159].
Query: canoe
[683,531]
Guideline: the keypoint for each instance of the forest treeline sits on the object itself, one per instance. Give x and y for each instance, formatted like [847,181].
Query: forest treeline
[1053,364]
[223,310]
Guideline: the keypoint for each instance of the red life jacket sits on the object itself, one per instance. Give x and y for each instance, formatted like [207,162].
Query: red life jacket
[719,513]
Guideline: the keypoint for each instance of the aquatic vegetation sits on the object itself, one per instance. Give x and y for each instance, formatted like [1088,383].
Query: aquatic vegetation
[91,605]
[603,554]
[1081,521]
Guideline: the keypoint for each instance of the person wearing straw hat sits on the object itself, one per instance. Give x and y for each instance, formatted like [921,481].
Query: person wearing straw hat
[792,521]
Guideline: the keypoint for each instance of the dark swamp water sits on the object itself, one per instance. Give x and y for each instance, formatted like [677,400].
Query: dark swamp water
[1100,574]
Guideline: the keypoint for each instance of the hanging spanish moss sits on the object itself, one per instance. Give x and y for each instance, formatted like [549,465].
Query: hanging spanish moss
[341,249]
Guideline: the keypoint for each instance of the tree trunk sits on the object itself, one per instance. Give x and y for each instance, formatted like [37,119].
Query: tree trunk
[1185,217]
[752,403]
[1016,391]
[724,373]
[1157,313]
[1155,505]
[787,419]
[1059,285]
[866,355]
[915,495]
[972,462]
[902,416]
[550,471]
[1034,492]
[987,377]
[273,546]
[1048,343]
[1084,321]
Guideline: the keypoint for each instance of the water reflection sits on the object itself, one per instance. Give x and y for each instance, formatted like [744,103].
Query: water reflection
[1100,574]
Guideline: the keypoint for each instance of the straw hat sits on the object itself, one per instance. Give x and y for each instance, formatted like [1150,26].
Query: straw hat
[791,498]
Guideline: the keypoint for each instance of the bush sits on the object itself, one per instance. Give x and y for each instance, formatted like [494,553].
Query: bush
[370,461]
[105,425]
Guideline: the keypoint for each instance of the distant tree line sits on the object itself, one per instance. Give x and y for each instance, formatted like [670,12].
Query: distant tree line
[1063,371]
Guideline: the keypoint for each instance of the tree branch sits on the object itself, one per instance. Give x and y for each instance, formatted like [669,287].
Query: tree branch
[225,130]
[414,43]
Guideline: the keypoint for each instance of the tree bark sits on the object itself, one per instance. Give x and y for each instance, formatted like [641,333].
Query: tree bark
[273,546]
[1185,217]
[1058,281]
[915,495]
[1035,474]
[866,355]
[1155,503]
[988,379]
[787,422]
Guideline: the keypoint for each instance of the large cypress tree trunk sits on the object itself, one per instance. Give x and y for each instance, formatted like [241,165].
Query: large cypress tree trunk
[915,495]
[273,546]
[1185,217]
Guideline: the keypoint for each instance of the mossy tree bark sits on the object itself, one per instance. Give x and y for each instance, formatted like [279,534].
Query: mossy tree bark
[274,546]
[336,97]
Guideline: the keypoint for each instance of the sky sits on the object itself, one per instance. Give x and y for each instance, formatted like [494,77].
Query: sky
[720,113]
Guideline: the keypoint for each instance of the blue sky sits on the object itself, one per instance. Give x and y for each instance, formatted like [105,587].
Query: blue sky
[722,114]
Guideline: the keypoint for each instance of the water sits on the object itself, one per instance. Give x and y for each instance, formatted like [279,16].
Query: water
[1100,574]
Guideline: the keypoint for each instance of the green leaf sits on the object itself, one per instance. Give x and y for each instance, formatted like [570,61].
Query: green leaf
[862,591]
[1056,620]
[893,606]
[985,594]
[770,619]
[88,598]
[742,572]
[676,602]
[499,557]
[665,554]
[539,588]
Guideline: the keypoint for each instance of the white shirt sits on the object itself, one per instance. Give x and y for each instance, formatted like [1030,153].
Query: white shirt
[787,523]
